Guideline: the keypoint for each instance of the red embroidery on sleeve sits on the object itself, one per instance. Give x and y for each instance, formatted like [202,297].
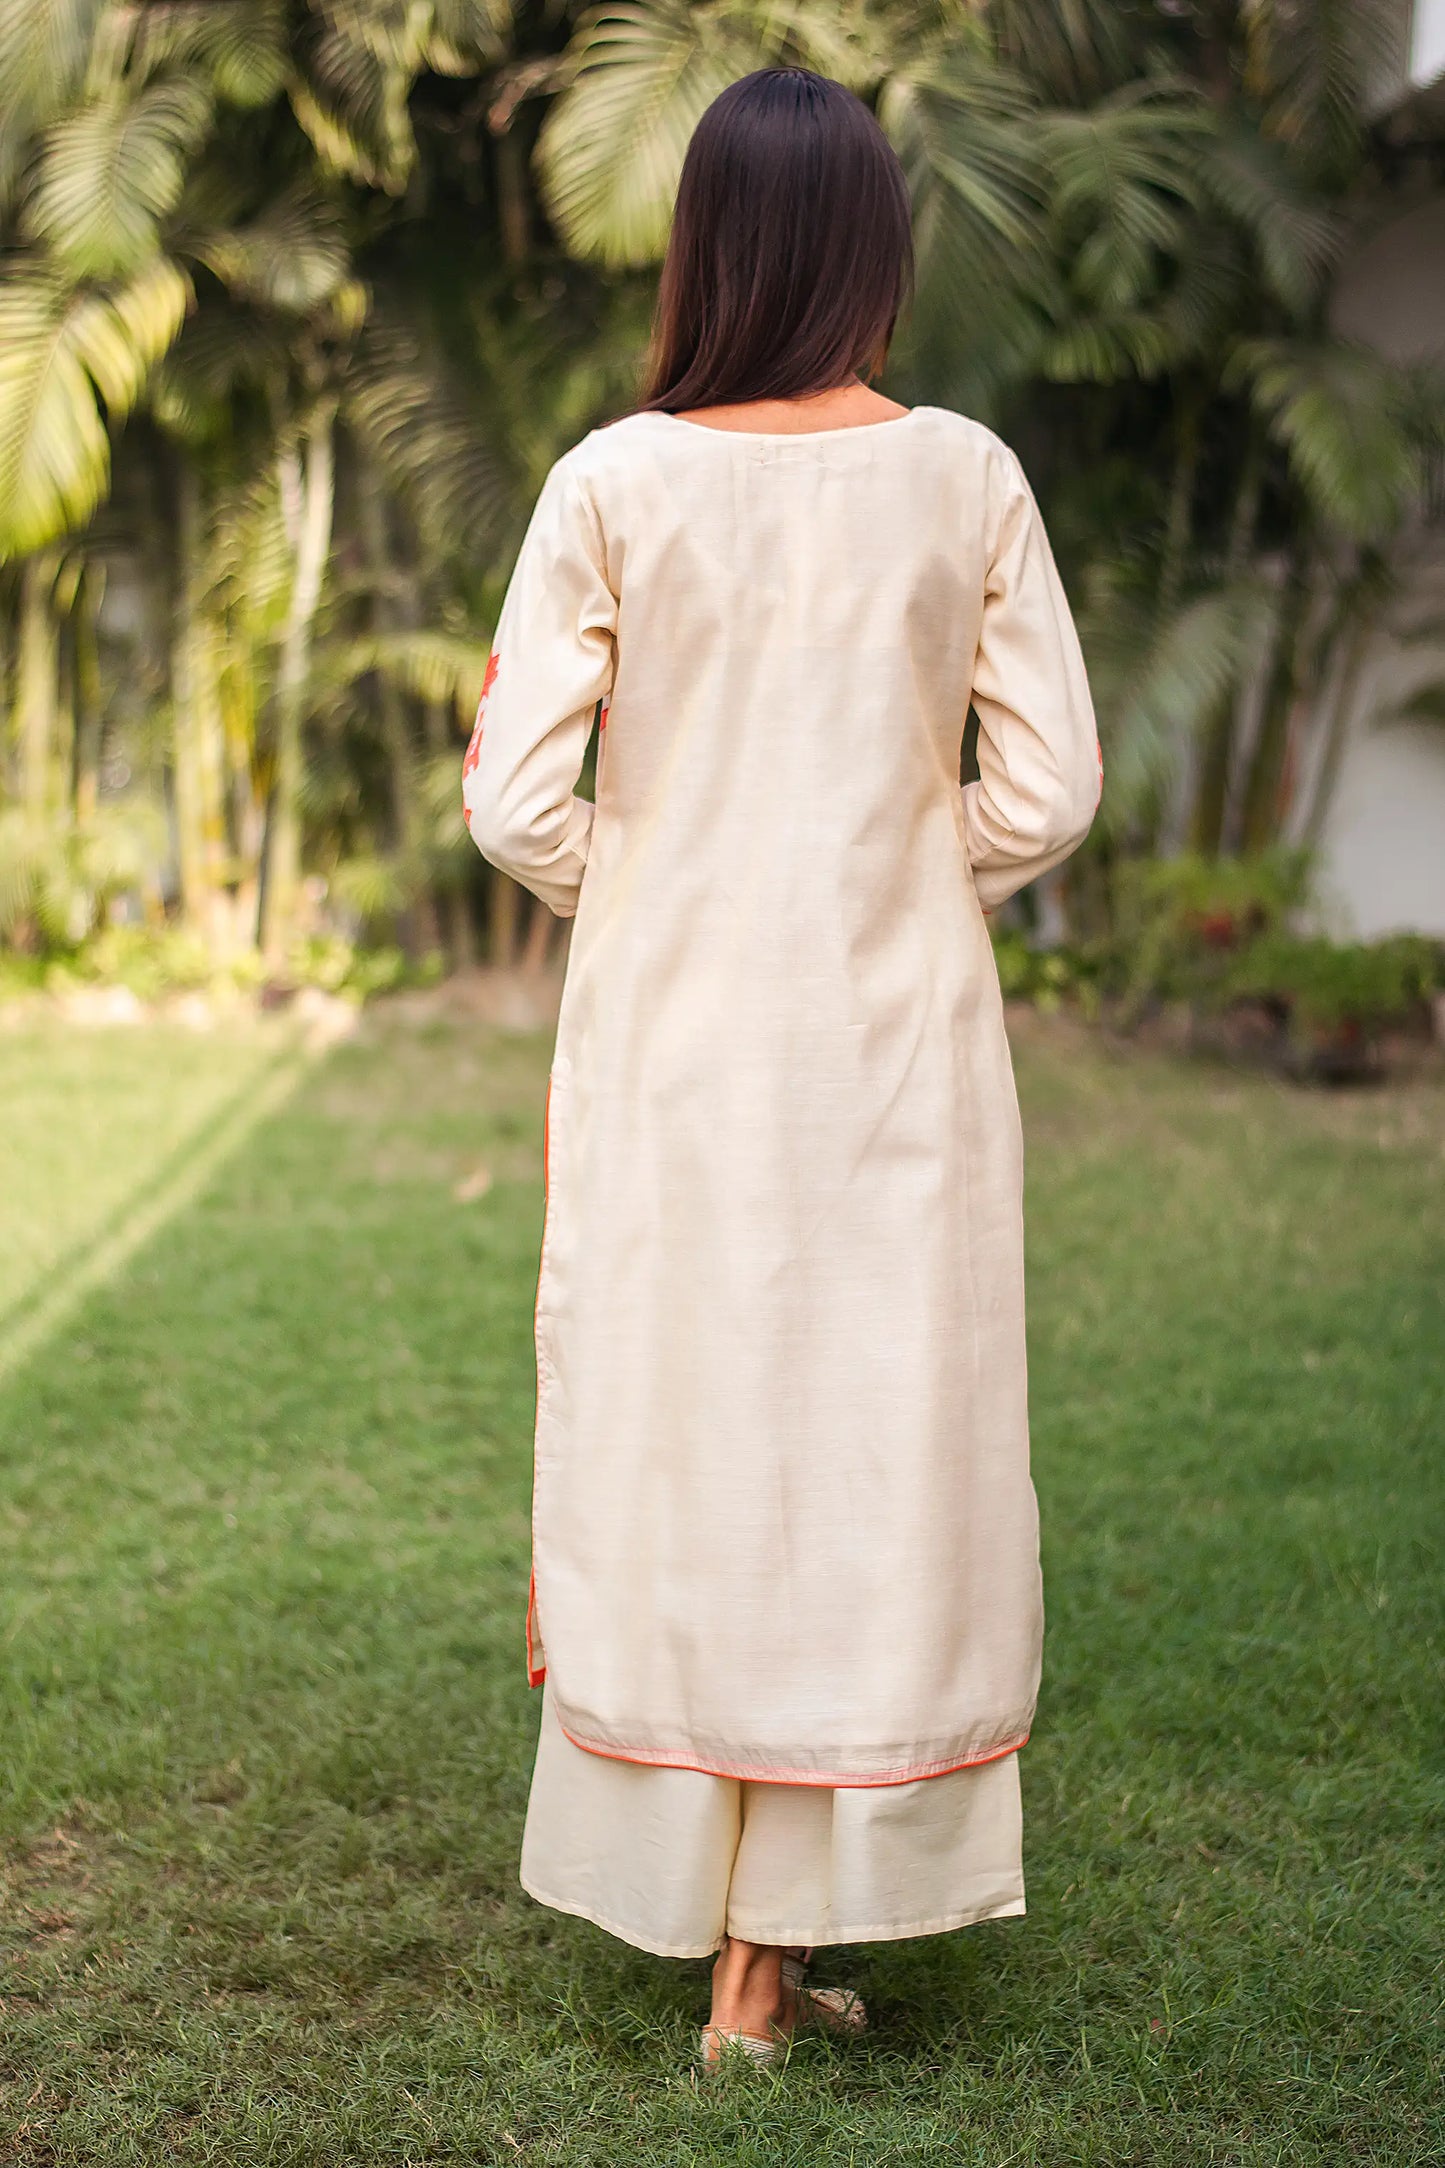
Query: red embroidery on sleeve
[474,747]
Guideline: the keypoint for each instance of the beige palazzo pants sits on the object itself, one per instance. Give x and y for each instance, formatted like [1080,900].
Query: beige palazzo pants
[671,1860]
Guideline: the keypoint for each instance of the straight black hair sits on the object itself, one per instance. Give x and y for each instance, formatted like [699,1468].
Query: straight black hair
[791,251]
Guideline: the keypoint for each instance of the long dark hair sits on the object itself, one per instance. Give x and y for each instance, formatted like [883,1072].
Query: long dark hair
[791,249]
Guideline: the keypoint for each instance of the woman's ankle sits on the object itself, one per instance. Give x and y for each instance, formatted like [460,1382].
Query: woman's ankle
[747,1988]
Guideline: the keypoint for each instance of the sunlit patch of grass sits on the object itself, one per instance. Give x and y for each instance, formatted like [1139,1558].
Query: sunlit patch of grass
[263,1532]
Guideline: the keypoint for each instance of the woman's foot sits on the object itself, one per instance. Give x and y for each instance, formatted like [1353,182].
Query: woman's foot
[749,1995]
[760,1997]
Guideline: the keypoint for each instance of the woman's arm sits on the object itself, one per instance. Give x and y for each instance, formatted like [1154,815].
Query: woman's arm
[1040,771]
[552,661]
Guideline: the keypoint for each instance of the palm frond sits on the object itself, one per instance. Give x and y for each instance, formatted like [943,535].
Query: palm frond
[1156,686]
[239,49]
[357,62]
[400,402]
[1070,53]
[1344,415]
[1310,69]
[45,46]
[965,133]
[25,843]
[441,803]
[223,350]
[853,42]
[109,174]
[433,665]
[1108,345]
[373,886]
[119,845]
[294,256]
[464,33]
[1124,181]
[61,353]
[1294,235]
[251,563]
[612,147]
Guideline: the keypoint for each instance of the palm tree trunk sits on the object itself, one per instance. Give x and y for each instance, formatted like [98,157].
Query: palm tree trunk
[1260,807]
[87,695]
[452,904]
[503,920]
[539,939]
[513,197]
[316,490]
[1216,760]
[1337,727]
[1179,522]
[197,730]
[421,932]
[37,687]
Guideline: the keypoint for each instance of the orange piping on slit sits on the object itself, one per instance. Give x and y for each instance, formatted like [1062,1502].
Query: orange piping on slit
[536,1672]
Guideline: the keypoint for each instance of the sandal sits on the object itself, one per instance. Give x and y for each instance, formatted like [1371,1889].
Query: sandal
[720,2047]
[833,2009]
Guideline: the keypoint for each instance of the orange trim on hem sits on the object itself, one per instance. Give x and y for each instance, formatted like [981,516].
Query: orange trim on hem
[797,1776]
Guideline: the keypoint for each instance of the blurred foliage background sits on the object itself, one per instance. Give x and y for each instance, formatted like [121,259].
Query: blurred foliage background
[300,298]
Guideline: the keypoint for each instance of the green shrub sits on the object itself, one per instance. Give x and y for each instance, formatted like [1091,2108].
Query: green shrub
[155,962]
[1325,988]
[1180,923]
[152,961]
[1048,978]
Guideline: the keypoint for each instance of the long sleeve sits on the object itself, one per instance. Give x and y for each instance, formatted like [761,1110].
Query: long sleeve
[552,661]
[1040,772]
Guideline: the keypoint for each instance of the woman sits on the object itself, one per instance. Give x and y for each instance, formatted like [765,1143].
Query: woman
[785,1591]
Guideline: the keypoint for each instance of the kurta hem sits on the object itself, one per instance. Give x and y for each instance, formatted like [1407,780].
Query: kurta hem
[757,1772]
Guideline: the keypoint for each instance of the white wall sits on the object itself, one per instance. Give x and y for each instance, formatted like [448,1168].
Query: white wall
[1382,854]
[1427,42]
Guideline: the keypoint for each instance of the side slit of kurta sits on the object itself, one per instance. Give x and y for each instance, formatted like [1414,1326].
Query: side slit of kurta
[536,1658]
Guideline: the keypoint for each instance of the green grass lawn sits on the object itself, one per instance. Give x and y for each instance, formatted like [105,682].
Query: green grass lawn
[266,1741]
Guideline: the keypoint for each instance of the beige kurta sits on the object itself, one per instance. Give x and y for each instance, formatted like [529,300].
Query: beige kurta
[783,1523]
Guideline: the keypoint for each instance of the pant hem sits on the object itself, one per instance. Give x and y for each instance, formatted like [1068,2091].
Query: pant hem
[809,1936]
[628,1935]
[820,1938]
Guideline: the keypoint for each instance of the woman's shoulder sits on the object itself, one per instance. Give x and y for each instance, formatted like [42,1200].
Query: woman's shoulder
[932,441]
[971,439]
[612,444]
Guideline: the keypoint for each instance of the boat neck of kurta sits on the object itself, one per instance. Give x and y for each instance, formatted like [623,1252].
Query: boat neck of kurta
[789,436]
